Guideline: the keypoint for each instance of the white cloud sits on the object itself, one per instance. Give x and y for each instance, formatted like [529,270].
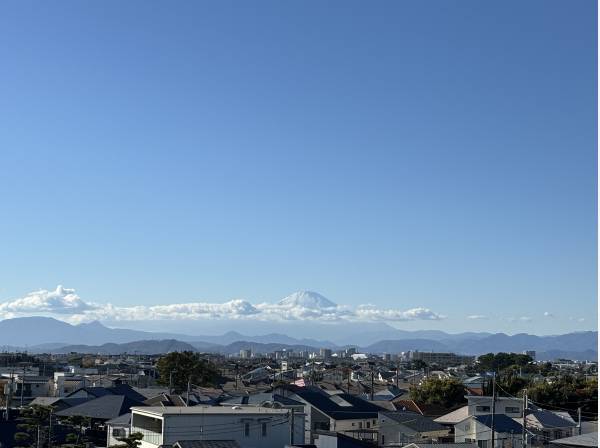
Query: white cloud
[307,306]
[372,313]
[477,317]
[548,314]
[60,301]
[521,318]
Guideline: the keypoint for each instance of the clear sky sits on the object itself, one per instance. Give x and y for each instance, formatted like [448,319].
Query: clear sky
[407,154]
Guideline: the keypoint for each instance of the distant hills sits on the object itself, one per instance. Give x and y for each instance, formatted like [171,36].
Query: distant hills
[44,334]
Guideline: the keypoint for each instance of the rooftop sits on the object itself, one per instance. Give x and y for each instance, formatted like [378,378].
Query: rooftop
[175,410]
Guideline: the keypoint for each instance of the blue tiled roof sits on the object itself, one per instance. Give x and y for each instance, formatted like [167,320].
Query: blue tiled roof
[502,423]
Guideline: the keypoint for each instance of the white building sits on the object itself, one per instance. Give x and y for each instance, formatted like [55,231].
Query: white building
[250,427]
[482,405]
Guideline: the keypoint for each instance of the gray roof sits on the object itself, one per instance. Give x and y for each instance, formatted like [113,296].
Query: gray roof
[207,444]
[121,420]
[103,408]
[454,417]
[548,419]
[586,440]
[58,401]
[258,399]
[414,421]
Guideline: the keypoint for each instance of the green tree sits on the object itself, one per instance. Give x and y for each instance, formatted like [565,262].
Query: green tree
[501,361]
[444,392]
[417,364]
[77,423]
[511,383]
[567,393]
[182,367]
[31,419]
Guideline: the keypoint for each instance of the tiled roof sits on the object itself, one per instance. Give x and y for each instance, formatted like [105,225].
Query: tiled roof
[103,408]
[454,417]
[414,421]
[584,440]
[357,408]
[502,423]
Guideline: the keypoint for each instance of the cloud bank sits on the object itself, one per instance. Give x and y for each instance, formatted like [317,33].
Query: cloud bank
[303,305]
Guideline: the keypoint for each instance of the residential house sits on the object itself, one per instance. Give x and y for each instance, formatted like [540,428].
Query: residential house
[341,412]
[589,440]
[452,418]
[275,401]
[548,425]
[250,427]
[402,427]
[482,405]
[478,429]
[28,388]
[428,410]
[327,439]
[116,428]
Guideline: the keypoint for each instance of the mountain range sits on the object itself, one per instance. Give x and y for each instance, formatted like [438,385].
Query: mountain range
[45,334]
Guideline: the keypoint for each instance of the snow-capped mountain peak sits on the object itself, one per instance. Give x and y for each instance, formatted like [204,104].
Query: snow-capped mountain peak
[306,299]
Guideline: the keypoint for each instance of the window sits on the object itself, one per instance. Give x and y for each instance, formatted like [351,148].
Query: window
[264,430]
[368,425]
[482,408]
[482,443]
[512,410]
[359,425]
[247,429]
[119,432]
[382,439]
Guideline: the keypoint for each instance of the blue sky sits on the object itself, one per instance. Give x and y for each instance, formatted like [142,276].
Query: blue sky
[415,154]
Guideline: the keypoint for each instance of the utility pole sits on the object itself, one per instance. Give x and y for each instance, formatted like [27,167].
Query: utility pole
[37,444]
[524,436]
[236,374]
[170,382]
[349,371]
[187,398]
[9,398]
[579,420]
[372,383]
[397,372]
[22,386]
[493,406]
[292,431]
[50,429]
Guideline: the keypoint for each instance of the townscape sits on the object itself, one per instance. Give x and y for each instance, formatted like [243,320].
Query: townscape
[299,224]
[297,399]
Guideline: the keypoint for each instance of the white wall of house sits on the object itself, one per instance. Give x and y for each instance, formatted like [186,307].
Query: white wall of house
[353,424]
[391,431]
[260,430]
[512,407]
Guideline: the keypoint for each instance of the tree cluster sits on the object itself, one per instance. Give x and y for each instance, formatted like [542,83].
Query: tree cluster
[501,361]
[178,368]
[448,392]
